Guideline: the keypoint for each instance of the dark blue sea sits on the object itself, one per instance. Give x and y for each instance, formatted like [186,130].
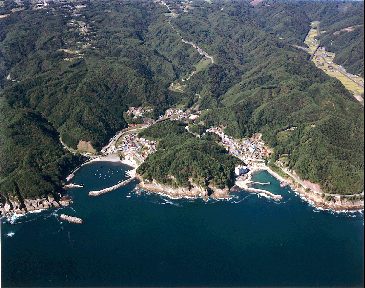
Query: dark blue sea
[130,239]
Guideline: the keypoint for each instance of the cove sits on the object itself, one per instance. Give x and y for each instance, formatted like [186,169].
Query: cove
[131,239]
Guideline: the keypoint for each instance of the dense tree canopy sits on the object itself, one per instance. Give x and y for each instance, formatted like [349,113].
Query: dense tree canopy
[57,82]
[183,160]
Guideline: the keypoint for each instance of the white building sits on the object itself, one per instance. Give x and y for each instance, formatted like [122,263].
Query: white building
[240,170]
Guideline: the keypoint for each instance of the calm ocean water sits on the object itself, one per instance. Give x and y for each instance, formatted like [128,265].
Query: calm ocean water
[148,240]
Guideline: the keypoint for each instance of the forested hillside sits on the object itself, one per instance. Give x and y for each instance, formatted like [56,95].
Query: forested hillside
[71,73]
[184,160]
[345,37]
[342,23]
[267,85]
[33,162]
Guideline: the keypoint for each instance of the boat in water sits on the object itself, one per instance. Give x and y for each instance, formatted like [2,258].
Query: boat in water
[283,184]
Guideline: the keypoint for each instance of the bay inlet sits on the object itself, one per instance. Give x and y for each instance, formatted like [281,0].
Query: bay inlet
[144,239]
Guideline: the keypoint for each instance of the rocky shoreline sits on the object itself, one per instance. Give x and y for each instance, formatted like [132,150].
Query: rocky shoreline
[336,204]
[194,192]
[13,206]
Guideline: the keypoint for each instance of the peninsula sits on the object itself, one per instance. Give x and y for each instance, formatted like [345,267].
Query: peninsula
[159,171]
[75,74]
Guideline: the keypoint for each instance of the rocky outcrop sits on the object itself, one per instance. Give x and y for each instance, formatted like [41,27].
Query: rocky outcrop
[14,206]
[334,203]
[172,192]
[217,193]
[71,219]
[192,192]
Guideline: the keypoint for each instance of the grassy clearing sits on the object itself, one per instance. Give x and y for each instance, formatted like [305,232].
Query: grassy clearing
[282,136]
[332,69]
[324,61]
[284,159]
[311,40]
[315,24]
[278,170]
[202,64]
[85,146]
[177,87]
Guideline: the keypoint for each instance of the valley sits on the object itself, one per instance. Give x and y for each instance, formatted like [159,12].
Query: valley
[74,88]
[324,60]
[181,143]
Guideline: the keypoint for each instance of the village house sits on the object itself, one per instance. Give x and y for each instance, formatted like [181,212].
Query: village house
[241,170]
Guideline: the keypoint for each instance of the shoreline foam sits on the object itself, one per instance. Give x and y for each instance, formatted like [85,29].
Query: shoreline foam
[314,198]
[244,184]
[311,198]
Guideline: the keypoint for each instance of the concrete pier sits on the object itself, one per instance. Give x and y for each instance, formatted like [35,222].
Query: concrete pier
[264,193]
[109,189]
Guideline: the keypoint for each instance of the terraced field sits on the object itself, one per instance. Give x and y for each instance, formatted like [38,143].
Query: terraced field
[324,60]
[311,40]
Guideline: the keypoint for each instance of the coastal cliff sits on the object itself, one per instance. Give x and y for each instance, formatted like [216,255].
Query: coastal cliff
[319,199]
[14,206]
[334,203]
[192,192]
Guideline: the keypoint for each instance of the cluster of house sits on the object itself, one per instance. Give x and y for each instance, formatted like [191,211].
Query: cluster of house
[173,12]
[43,4]
[186,5]
[181,115]
[251,150]
[138,112]
[322,56]
[176,7]
[76,23]
[325,59]
[40,4]
[292,128]
[69,4]
[133,147]
[241,170]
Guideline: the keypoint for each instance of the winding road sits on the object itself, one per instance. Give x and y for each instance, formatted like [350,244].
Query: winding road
[192,44]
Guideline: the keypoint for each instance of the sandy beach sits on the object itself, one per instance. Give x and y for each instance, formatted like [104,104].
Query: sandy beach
[129,162]
[108,158]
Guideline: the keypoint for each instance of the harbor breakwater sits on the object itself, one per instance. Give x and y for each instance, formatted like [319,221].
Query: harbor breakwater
[112,188]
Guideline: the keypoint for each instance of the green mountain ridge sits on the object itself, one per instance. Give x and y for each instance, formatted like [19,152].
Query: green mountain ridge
[258,83]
